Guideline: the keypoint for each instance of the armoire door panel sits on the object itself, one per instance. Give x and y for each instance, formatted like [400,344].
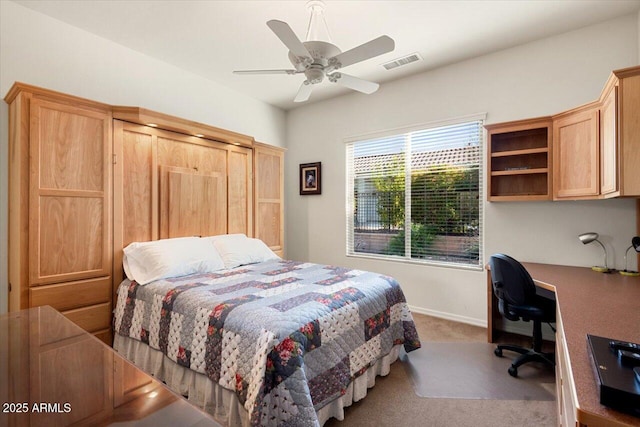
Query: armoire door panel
[71,147]
[137,164]
[240,192]
[269,193]
[70,238]
[69,192]
[269,219]
[269,173]
[135,198]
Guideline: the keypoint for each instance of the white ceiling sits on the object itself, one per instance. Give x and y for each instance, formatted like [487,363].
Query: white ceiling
[213,38]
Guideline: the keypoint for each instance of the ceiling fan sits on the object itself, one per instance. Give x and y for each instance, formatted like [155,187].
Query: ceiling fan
[318,58]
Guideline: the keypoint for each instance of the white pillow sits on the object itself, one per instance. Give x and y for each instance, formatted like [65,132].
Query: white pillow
[237,251]
[145,262]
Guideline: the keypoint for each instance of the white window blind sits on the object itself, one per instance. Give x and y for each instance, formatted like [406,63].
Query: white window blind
[417,195]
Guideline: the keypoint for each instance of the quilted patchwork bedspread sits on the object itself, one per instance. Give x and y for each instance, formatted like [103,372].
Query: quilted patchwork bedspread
[287,337]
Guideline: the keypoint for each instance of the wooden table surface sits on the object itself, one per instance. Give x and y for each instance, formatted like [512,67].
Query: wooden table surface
[53,373]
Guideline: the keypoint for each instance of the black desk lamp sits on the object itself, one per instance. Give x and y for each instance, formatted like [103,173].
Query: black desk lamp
[587,238]
[635,244]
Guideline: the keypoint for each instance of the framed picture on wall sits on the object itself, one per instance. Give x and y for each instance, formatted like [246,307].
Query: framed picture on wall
[310,178]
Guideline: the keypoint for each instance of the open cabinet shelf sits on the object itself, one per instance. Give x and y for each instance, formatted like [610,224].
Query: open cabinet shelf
[519,160]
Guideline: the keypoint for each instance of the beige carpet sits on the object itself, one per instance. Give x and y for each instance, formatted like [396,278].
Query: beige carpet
[393,401]
[471,370]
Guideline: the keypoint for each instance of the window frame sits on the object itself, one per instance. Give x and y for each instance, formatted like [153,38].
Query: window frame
[403,131]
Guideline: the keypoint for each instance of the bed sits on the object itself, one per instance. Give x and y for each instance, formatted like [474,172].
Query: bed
[268,342]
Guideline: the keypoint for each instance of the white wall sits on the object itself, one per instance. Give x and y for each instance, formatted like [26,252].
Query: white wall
[42,51]
[540,78]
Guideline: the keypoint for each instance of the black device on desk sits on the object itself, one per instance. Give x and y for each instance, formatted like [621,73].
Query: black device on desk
[617,367]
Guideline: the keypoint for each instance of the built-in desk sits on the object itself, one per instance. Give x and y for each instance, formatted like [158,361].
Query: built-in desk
[588,302]
[52,373]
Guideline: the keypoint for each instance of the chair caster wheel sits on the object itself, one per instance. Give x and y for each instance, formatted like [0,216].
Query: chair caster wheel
[498,352]
[513,371]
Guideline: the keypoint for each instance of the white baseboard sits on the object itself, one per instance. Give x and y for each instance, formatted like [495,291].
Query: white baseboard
[448,316]
[520,328]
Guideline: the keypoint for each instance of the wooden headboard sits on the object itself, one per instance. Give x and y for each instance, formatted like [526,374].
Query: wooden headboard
[167,184]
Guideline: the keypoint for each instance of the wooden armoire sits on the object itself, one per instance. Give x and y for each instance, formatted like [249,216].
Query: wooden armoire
[268,183]
[86,179]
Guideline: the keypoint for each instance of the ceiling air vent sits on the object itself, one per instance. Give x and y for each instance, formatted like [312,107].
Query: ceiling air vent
[402,61]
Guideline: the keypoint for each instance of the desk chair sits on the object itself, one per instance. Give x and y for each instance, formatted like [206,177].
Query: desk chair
[517,299]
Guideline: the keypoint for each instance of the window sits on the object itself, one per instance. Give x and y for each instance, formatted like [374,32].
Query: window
[417,195]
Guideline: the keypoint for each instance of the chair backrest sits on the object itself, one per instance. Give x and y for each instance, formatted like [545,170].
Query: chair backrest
[512,284]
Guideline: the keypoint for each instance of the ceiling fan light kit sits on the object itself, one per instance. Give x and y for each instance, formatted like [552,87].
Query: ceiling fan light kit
[317,57]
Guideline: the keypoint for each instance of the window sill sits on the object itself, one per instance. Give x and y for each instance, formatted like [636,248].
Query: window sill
[401,260]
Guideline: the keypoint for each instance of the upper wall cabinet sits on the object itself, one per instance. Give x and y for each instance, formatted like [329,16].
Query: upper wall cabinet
[594,150]
[628,114]
[520,160]
[609,146]
[576,154]
[608,129]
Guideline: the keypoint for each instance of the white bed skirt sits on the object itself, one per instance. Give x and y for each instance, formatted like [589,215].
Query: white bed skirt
[223,404]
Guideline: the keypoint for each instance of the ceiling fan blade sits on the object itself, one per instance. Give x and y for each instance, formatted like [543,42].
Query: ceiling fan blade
[266,72]
[304,92]
[354,83]
[289,38]
[371,49]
